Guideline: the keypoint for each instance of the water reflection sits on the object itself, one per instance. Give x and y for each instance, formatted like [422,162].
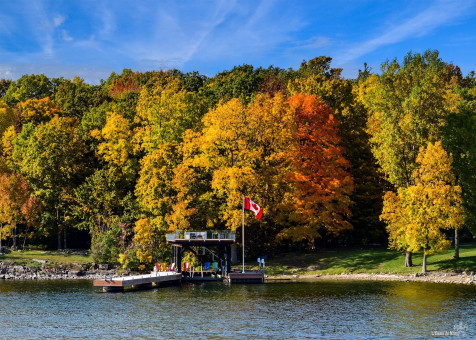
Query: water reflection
[324,309]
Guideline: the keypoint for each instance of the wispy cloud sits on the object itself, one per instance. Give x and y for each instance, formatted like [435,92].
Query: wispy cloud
[252,31]
[220,15]
[312,44]
[58,21]
[66,36]
[177,33]
[443,12]
[91,74]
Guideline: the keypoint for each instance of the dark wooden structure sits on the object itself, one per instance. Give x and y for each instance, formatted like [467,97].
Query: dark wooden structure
[191,241]
[247,277]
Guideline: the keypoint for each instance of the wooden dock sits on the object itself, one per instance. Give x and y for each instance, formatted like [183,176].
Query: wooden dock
[117,284]
[247,277]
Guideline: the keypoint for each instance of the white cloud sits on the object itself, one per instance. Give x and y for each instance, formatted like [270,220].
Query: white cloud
[441,13]
[6,73]
[223,10]
[91,74]
[177,34]
[58,21]
[66,36]
[250,32]
[314,43]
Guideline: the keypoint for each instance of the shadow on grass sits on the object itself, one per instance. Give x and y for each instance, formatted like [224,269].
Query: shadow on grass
[336,261]
[360,260]
[465,263]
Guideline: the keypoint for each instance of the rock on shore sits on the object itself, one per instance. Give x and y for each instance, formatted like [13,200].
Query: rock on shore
[9,271]
[437,277]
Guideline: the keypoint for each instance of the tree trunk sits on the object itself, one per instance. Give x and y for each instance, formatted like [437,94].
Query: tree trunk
[64,239]
[14,246]
[24,239]
[408,259]
[456,256]
[59,229]
[423,269]
[59,239]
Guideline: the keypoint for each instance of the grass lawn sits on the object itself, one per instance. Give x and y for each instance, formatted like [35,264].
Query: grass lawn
[321,262]
[52,257]
[375,261]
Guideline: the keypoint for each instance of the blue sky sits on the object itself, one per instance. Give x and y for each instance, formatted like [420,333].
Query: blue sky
[91,39]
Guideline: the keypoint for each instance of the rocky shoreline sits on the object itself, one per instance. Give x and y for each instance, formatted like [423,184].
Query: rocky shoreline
[435,277]
[91,271]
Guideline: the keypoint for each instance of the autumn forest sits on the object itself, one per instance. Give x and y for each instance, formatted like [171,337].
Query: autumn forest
[388,158]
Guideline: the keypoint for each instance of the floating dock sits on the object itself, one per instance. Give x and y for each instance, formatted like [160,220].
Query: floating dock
[250,277]
[117,284]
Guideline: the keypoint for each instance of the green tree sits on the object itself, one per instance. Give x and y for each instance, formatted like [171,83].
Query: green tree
[407,106]
[242,82]
[51,156]
[99,206]
[76,97]
[417,214]
[4,85]
[164,113]
[458,138]
[32,86]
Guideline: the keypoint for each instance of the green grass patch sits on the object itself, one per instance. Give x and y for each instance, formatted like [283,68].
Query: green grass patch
[52,257]
[368,261]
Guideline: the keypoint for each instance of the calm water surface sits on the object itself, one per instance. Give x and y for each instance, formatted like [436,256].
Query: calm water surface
[324,309]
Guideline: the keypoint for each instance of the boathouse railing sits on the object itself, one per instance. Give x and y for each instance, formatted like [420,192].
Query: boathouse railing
[202,235]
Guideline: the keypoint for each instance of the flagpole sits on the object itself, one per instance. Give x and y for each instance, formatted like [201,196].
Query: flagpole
[243,233]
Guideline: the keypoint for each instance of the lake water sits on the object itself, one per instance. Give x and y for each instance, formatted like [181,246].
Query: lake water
[323,309]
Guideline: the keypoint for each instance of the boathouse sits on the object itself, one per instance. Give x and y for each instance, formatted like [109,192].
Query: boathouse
[214,252]
[212,248]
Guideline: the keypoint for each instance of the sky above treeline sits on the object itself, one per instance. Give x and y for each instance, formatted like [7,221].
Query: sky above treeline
[91,38]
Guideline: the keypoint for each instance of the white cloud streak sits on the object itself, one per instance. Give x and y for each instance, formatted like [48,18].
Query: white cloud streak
[443,12]
[58,21]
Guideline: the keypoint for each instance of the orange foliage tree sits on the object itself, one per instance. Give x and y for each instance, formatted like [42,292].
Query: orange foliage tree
[37,110]
[319,172]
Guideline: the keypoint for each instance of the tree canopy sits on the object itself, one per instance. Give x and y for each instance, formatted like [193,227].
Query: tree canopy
[387,157]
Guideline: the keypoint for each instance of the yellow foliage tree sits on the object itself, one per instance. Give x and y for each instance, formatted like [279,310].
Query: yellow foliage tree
[116,147]
[417,214]
[153,188]
[241,147]
[149,237]
[7,120]
[164,112]
[37,110]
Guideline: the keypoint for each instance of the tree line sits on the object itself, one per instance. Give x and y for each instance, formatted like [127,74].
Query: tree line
[386,157]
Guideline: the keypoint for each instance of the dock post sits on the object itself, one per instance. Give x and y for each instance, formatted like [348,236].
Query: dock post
[110,289]
[179,259]
[228,258]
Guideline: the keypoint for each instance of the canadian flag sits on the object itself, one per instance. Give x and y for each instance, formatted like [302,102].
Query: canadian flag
[250,205]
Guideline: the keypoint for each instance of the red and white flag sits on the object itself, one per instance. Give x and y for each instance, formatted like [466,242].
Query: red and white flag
[250,205]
